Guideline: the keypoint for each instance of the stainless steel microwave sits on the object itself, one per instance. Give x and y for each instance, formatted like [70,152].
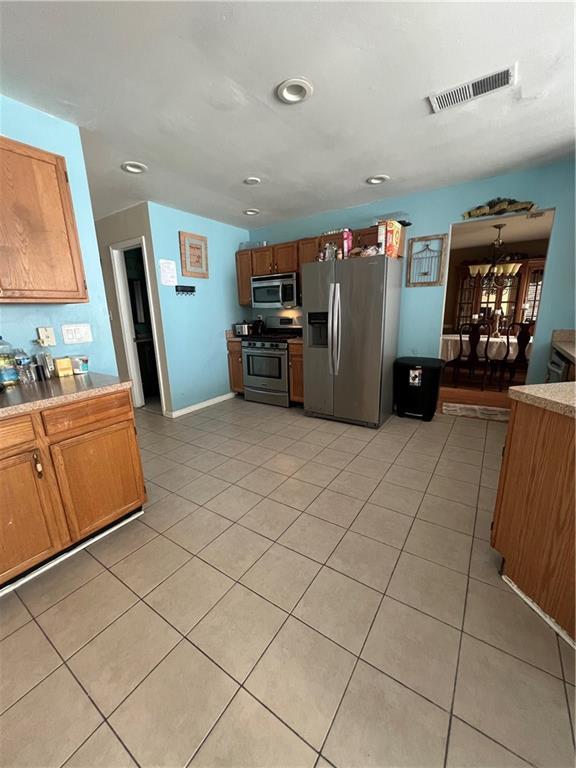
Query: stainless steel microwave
[275,291]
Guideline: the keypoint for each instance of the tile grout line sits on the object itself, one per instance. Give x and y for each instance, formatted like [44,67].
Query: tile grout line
[322,565]
[457,668]
[367,635]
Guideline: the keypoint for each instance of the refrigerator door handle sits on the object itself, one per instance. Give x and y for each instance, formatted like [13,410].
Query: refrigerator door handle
[331,329]
[338,323]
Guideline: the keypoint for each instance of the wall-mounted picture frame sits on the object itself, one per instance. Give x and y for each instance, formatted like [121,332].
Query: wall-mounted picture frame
[193,255]
[426,261]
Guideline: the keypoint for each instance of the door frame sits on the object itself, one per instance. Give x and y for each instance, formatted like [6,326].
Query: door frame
[499,219]
[125,316]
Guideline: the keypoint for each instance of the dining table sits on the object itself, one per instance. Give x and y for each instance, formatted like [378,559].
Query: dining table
[450,347]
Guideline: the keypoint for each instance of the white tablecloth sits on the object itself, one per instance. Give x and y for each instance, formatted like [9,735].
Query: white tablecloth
[496,347]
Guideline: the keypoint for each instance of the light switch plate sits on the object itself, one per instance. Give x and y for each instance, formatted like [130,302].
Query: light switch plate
[46,336]
[80,333]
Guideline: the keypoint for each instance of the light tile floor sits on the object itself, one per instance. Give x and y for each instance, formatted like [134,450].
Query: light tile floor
[298,592]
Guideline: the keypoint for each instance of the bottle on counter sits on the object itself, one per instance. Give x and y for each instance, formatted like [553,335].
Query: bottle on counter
[24,367]
[8,372]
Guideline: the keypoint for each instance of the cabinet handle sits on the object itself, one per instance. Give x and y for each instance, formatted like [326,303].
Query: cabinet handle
[239,359]
[38,465]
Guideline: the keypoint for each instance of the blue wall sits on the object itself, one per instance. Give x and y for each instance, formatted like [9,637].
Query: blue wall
[18,322]
[194,326]
[432,212]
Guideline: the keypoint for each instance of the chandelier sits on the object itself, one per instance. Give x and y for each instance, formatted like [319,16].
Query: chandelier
[500,271]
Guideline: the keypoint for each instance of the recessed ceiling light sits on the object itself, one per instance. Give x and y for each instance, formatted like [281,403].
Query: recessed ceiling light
[294,90]
[131,166]
[251,180]
[251,211]
[379,178]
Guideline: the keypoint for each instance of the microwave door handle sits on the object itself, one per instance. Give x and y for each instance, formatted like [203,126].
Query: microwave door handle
[338,327]
[331,329]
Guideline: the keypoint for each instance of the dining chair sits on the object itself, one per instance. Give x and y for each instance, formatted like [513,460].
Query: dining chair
[477,357]
[513,364]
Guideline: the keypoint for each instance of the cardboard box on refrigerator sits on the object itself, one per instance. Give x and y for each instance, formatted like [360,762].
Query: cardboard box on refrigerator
[390,235]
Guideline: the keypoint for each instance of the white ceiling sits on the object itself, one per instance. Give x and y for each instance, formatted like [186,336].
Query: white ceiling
[518,228]
[187,88]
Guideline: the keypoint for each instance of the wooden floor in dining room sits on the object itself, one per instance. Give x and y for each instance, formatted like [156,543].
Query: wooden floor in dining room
[472,396]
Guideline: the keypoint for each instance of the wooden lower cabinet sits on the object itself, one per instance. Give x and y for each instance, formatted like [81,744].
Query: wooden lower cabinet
[235,369]
[533,527]
[64,476]
[99,477]
[296,372]
[29,531]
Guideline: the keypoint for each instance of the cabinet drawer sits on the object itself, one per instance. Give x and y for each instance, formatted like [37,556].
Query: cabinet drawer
[87,414]
[16,431]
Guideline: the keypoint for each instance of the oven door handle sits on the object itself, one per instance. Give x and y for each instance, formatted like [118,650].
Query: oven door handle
[331,329]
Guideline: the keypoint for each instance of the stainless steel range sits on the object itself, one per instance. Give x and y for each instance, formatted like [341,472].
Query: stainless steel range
[265,361]
[265,365]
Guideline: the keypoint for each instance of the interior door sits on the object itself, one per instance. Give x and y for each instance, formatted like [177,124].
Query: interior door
[127,324]
[317,280]
[358,338]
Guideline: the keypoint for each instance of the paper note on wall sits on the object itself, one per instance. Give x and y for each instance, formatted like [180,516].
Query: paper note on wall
[167,272]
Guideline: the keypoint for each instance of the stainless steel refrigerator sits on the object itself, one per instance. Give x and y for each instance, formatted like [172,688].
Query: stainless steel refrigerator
[351,310]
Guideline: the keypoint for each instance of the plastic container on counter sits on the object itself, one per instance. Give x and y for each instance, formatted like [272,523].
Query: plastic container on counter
[8,371]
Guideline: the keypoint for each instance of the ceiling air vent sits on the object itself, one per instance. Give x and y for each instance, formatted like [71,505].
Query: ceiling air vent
[473,89]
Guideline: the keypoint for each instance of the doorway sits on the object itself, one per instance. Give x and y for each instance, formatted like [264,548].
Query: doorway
[138,322]
[493,289]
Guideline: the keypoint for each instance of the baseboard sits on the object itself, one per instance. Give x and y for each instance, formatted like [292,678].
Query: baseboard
[199,406]
[18,581]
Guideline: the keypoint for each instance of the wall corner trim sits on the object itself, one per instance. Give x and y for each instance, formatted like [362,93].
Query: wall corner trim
[199,406]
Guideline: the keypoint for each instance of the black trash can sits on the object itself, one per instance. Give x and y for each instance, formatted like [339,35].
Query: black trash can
[416,386]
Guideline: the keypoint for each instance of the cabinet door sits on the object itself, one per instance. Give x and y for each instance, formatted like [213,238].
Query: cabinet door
[296,371]
[243,275]
[365,237]
[235,369]
[40,252]
[262,260]
[286,257]
[28,532]
[308,250]
[100,477]
[337,239]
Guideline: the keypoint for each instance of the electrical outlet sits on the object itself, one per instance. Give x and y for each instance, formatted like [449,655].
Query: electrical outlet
[46,337]
[80,333]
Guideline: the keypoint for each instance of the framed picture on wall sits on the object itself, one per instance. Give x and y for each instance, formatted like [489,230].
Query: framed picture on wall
[193,255]
[426,258]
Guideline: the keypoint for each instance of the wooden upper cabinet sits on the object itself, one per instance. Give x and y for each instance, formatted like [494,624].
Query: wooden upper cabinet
[100,477]
[28,531]
[263,260]
[40,258]
[243,275]
[308,250]
[285,258]
[365,237]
